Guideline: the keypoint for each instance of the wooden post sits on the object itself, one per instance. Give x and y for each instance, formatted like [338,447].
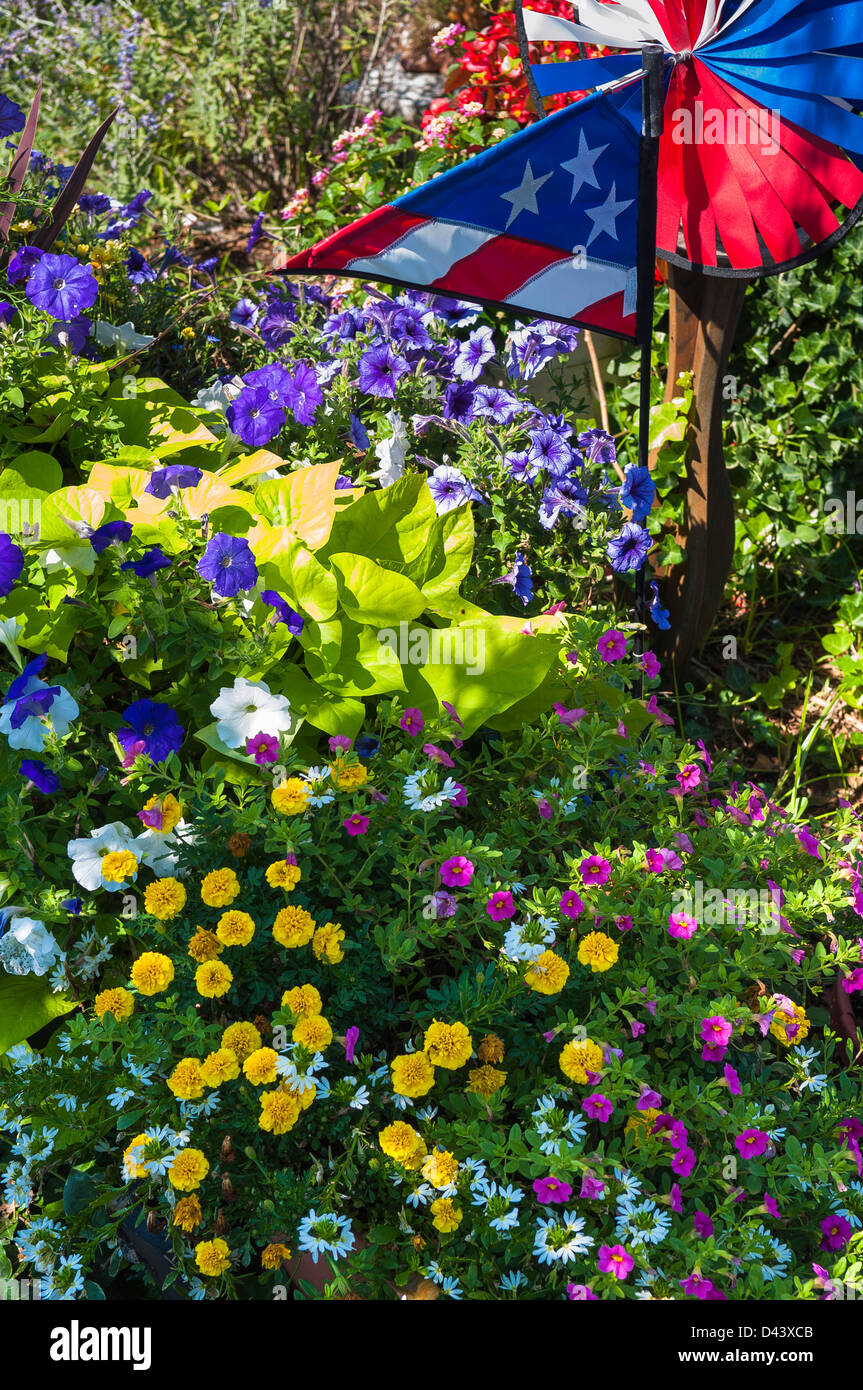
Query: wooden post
[704,311]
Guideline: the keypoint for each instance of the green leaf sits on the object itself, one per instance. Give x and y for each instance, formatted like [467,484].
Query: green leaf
[27,1003]
[371,594]
[79,1190]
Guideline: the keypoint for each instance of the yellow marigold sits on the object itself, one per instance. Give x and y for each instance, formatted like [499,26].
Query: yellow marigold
[347,776]
[186,1080]
[213,1256]
[242,1039]
[132,1167]
[303,1001]
[293,927]
[292,797]
[578,1058]
[118,1002]
[490,1048]
[235,928]
[204,946]
[165,898]
[327,943]
[440,1168]
[598,951]
[152,972]
[170,809]
[219,888]
[446,1215]
[307,1096]
[188,1214]
[213,979]
[313,1032]
[119,865]
[484,1081]
[413,1074]
[260,1067]
[448,1044]
[547,974]
[273,1256]
[280,1110]
[790,1024]
[401,1142]
[220,1066]
[641,1123]
[283,874]
[188,1170]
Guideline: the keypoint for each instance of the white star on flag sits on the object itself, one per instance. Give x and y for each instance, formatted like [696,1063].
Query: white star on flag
[582,167]
[604,218]
[523,198]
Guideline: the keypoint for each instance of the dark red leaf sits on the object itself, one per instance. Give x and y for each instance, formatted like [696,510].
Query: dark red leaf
[47,234]
[20,164]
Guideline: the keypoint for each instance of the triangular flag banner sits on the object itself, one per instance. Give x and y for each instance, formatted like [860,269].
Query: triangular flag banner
[761,159]
[545,222]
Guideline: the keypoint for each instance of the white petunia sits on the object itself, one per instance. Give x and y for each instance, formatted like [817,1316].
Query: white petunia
[27,947]
[391,452]
[248,709]
[87,854]
[122,336]
[30,734]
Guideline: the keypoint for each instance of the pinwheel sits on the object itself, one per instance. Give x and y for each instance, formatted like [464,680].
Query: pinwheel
[761,159]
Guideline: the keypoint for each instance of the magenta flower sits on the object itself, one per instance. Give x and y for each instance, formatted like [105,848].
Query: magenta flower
[683,1162]
[264,748]
[356,824]
[751,1143]
[568,716]
[689,777]
[715,1029]
[437,755]
[703,1225]
[837,1232]
[545,808]
[637,1028]
[460,799]
[580,1293]
[456,872]
[733,1080]
[352,1037]
[571,904]
[552,1190]
[443,904]
[853,982]
[591,1187]
[623,923]
[696,1287]
[648,1100]
[500,906]
[658,860]
[611,645]
[713,1054]
[594,870]
[650,665]
[412,721]
[340,743]
[681,926]
[675,1198]
[597,1106]
[613,1259]
[771,1205]
[809,842]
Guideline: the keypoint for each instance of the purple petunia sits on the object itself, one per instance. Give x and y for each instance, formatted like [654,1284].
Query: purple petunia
[22,263]
[519,576]
[111,533]
[11,563]
[458,402]
[549,450]
[228,564]
[473,354]
[152,560]
[254,417]
[61,286]
[637,492]
[153,729]
[304,394]
[380,369]
[628,550]
[284,613]
[597,447]
[42,778]
[11,116]
[450,489]
[138,269]
[72,335]
[255,233]
[244,313]
[275,379]
[164,480]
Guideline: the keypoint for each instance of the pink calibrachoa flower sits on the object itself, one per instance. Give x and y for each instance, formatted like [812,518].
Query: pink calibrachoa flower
[623,923]
[713,1054]
[545,808]
[437,755]
[595,870]
[591,1188]
[648,1100]
[581,1293]
[598,1106]
[696,1287]
[340,743]
[659,715]
[443,904]
[637,1028]
[570,903]
[658,860]
[716,1029]
[702,1224]
[456,872]
[837,1232]
[809,842]
[613,1259]
[683,1162]
[551,1035]
[451,711]
[852,1132]
[263,748]
[412,721]
[356,824]
[612,645]
[771,1205]
[650,666]
[689,777]
[461,798]
[568,716]
[681,926]
[551,1189]
[683,842]
[751,1143]
[352,1037]
[500,906]
[675,1198]
[853,982]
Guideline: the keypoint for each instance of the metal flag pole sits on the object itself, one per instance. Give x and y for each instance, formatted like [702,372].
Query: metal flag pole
[652,106]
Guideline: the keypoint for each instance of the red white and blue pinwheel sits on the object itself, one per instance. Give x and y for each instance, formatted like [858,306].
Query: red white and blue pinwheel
[761,159]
